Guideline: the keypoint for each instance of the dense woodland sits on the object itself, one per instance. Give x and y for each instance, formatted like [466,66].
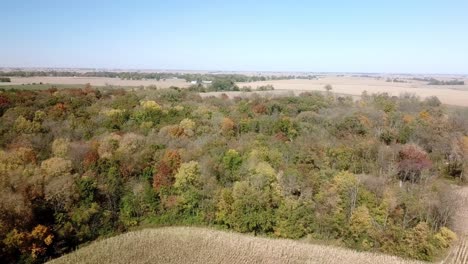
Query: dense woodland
[373,174]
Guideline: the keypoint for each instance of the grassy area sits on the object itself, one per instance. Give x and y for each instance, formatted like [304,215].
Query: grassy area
[201,245]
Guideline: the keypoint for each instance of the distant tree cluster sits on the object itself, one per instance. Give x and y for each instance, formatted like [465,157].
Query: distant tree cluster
[223,84]
[395,80]
[433,81]
[5,79]
[267,87]
[371,174]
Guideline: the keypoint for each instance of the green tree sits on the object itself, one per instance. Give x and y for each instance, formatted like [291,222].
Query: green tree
[253,210]
[360,229]
[295,219]
[188,185]
[188,176]
[223,84]
[231,161]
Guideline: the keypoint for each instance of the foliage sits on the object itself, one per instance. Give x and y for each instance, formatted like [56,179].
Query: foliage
[412,161]
[223,84]
[360,229]
[166,169]
[251,210]
[80,164]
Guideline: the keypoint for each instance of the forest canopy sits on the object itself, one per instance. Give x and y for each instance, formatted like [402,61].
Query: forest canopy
[370,174]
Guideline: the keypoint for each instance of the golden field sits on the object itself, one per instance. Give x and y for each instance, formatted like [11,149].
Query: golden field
[204,246]
[96,81]
[447,94]
[348,85]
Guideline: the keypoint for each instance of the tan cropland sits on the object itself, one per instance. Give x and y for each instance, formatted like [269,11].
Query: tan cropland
[355,86]
[97,81]
[459,253]
[199,245]
[449,94]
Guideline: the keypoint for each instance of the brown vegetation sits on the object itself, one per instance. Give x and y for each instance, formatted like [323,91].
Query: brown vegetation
[204,246]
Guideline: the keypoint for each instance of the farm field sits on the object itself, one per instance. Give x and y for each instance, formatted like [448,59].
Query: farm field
[354,86]
[95,81]
[201,245]
[459,252]
[452,95]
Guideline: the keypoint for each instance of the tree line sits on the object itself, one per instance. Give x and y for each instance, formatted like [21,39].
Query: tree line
[189,77]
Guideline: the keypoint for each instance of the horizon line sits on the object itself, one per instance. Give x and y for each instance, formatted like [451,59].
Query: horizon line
[211,71]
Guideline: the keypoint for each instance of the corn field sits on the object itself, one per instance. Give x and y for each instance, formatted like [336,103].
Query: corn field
[459,253]
[200,245]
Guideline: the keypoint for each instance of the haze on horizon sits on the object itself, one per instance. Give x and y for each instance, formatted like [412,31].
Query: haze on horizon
[336,36]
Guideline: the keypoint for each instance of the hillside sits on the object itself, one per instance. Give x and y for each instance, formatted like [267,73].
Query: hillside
[199,245]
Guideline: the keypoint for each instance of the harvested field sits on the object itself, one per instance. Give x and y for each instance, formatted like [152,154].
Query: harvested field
[448,94]
[459,252]
[96,81]
[354,86]
[200,245]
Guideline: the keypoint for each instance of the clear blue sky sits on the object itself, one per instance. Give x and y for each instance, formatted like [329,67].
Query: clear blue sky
[357,36]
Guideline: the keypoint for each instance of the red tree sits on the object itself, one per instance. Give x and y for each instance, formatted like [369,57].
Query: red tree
[166,169]
[412,159]
[4,104]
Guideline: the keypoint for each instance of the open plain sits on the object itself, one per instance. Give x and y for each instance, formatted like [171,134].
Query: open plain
[347,85]
[447,94]
[96,81]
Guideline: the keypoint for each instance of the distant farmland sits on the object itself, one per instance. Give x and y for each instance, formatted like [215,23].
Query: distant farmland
[452,95]
[200,245]
[96,81]
[448,94]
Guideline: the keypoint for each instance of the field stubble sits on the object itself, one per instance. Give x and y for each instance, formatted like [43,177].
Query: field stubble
[354,86]
[200,245]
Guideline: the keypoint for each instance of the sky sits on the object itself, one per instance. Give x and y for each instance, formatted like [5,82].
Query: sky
[317,36]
